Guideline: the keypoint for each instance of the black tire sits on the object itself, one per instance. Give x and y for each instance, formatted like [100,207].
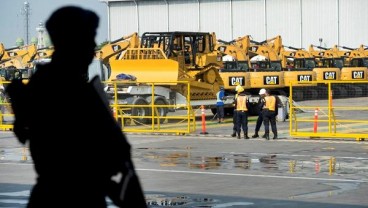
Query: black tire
[298,95]
[214,111]
[229,111]
[162,111]
[141,111]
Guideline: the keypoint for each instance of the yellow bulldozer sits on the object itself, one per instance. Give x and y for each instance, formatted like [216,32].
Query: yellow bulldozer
[166,58]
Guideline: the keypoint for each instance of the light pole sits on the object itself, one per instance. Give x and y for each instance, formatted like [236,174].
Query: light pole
[26,12]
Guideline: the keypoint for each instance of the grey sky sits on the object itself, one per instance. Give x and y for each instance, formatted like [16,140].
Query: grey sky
[12,21]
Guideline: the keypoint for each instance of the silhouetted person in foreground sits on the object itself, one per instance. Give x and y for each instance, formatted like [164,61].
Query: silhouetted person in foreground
[75,143]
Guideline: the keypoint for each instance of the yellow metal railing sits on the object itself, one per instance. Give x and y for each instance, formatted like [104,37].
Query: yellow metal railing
[6,113]
[343,116]
[177,118]
[146,117]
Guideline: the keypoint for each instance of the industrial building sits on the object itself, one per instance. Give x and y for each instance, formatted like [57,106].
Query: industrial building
[299,22]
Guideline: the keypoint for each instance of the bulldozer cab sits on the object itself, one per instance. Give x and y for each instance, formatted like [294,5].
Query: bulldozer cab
[303,64]
[188,48]
[359,62]
[266,65]
[235,66]
[333,62]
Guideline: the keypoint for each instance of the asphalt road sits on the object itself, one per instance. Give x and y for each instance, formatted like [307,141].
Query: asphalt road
[216,170]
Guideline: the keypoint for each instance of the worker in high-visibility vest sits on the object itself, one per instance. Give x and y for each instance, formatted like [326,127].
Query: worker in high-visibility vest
[220,104]
[241,106]
[238,89]
[260,104]
[269,114]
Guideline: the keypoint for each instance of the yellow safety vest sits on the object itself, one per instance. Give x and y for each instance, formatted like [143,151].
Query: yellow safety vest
[241,103]
[270,103]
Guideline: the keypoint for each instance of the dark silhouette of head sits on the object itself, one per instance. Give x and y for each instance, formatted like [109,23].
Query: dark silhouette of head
[72,31]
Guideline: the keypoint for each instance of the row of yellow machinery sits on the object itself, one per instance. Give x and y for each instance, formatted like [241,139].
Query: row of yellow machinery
[207,63]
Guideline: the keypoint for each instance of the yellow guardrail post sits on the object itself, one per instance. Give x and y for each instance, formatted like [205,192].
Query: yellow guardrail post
[24,154]
[330,94]
[291,107]
[189,108]
[292,166]
[115,100]
[331,165]
[153,107]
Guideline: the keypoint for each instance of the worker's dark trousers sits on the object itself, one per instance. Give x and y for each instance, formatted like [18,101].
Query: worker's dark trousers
[269,117]
[259,122]
[242,122]
[235,117]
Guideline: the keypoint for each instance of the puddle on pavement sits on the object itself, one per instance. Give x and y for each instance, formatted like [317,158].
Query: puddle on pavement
[335,189]
[14,154]
[158,200]
[326,165]
[161,200]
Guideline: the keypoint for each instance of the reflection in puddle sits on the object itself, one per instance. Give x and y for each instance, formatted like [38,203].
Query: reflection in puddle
[14,154]
[159,200]
[326,165]
[269,162]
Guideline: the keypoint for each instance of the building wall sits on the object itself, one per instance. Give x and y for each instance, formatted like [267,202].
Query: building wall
[299,22]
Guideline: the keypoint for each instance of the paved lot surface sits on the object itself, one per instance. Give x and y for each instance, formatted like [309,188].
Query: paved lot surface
[216,170]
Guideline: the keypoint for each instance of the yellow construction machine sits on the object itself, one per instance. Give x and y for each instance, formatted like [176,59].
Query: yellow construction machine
[298,65]
[355,69]
[266,70]
[235,70]
[265,73]
[115,47]
[112,50]
[333,65]
[165,58]
[356,63]
[44,53]
[328,67]
[2,51]
[16,62]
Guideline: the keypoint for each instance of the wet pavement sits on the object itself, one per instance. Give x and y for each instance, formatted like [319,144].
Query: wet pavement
[216,170]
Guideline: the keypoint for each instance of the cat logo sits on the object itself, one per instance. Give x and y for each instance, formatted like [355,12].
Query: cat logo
[271,80]
[304,78]
[329,75]
[233,81]
[358,74]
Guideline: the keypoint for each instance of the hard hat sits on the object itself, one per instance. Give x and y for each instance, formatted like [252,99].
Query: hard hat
[262,92]
[239,88]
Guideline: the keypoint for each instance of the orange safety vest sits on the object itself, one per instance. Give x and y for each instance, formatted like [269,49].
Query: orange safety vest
[241,103]
[270,103]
